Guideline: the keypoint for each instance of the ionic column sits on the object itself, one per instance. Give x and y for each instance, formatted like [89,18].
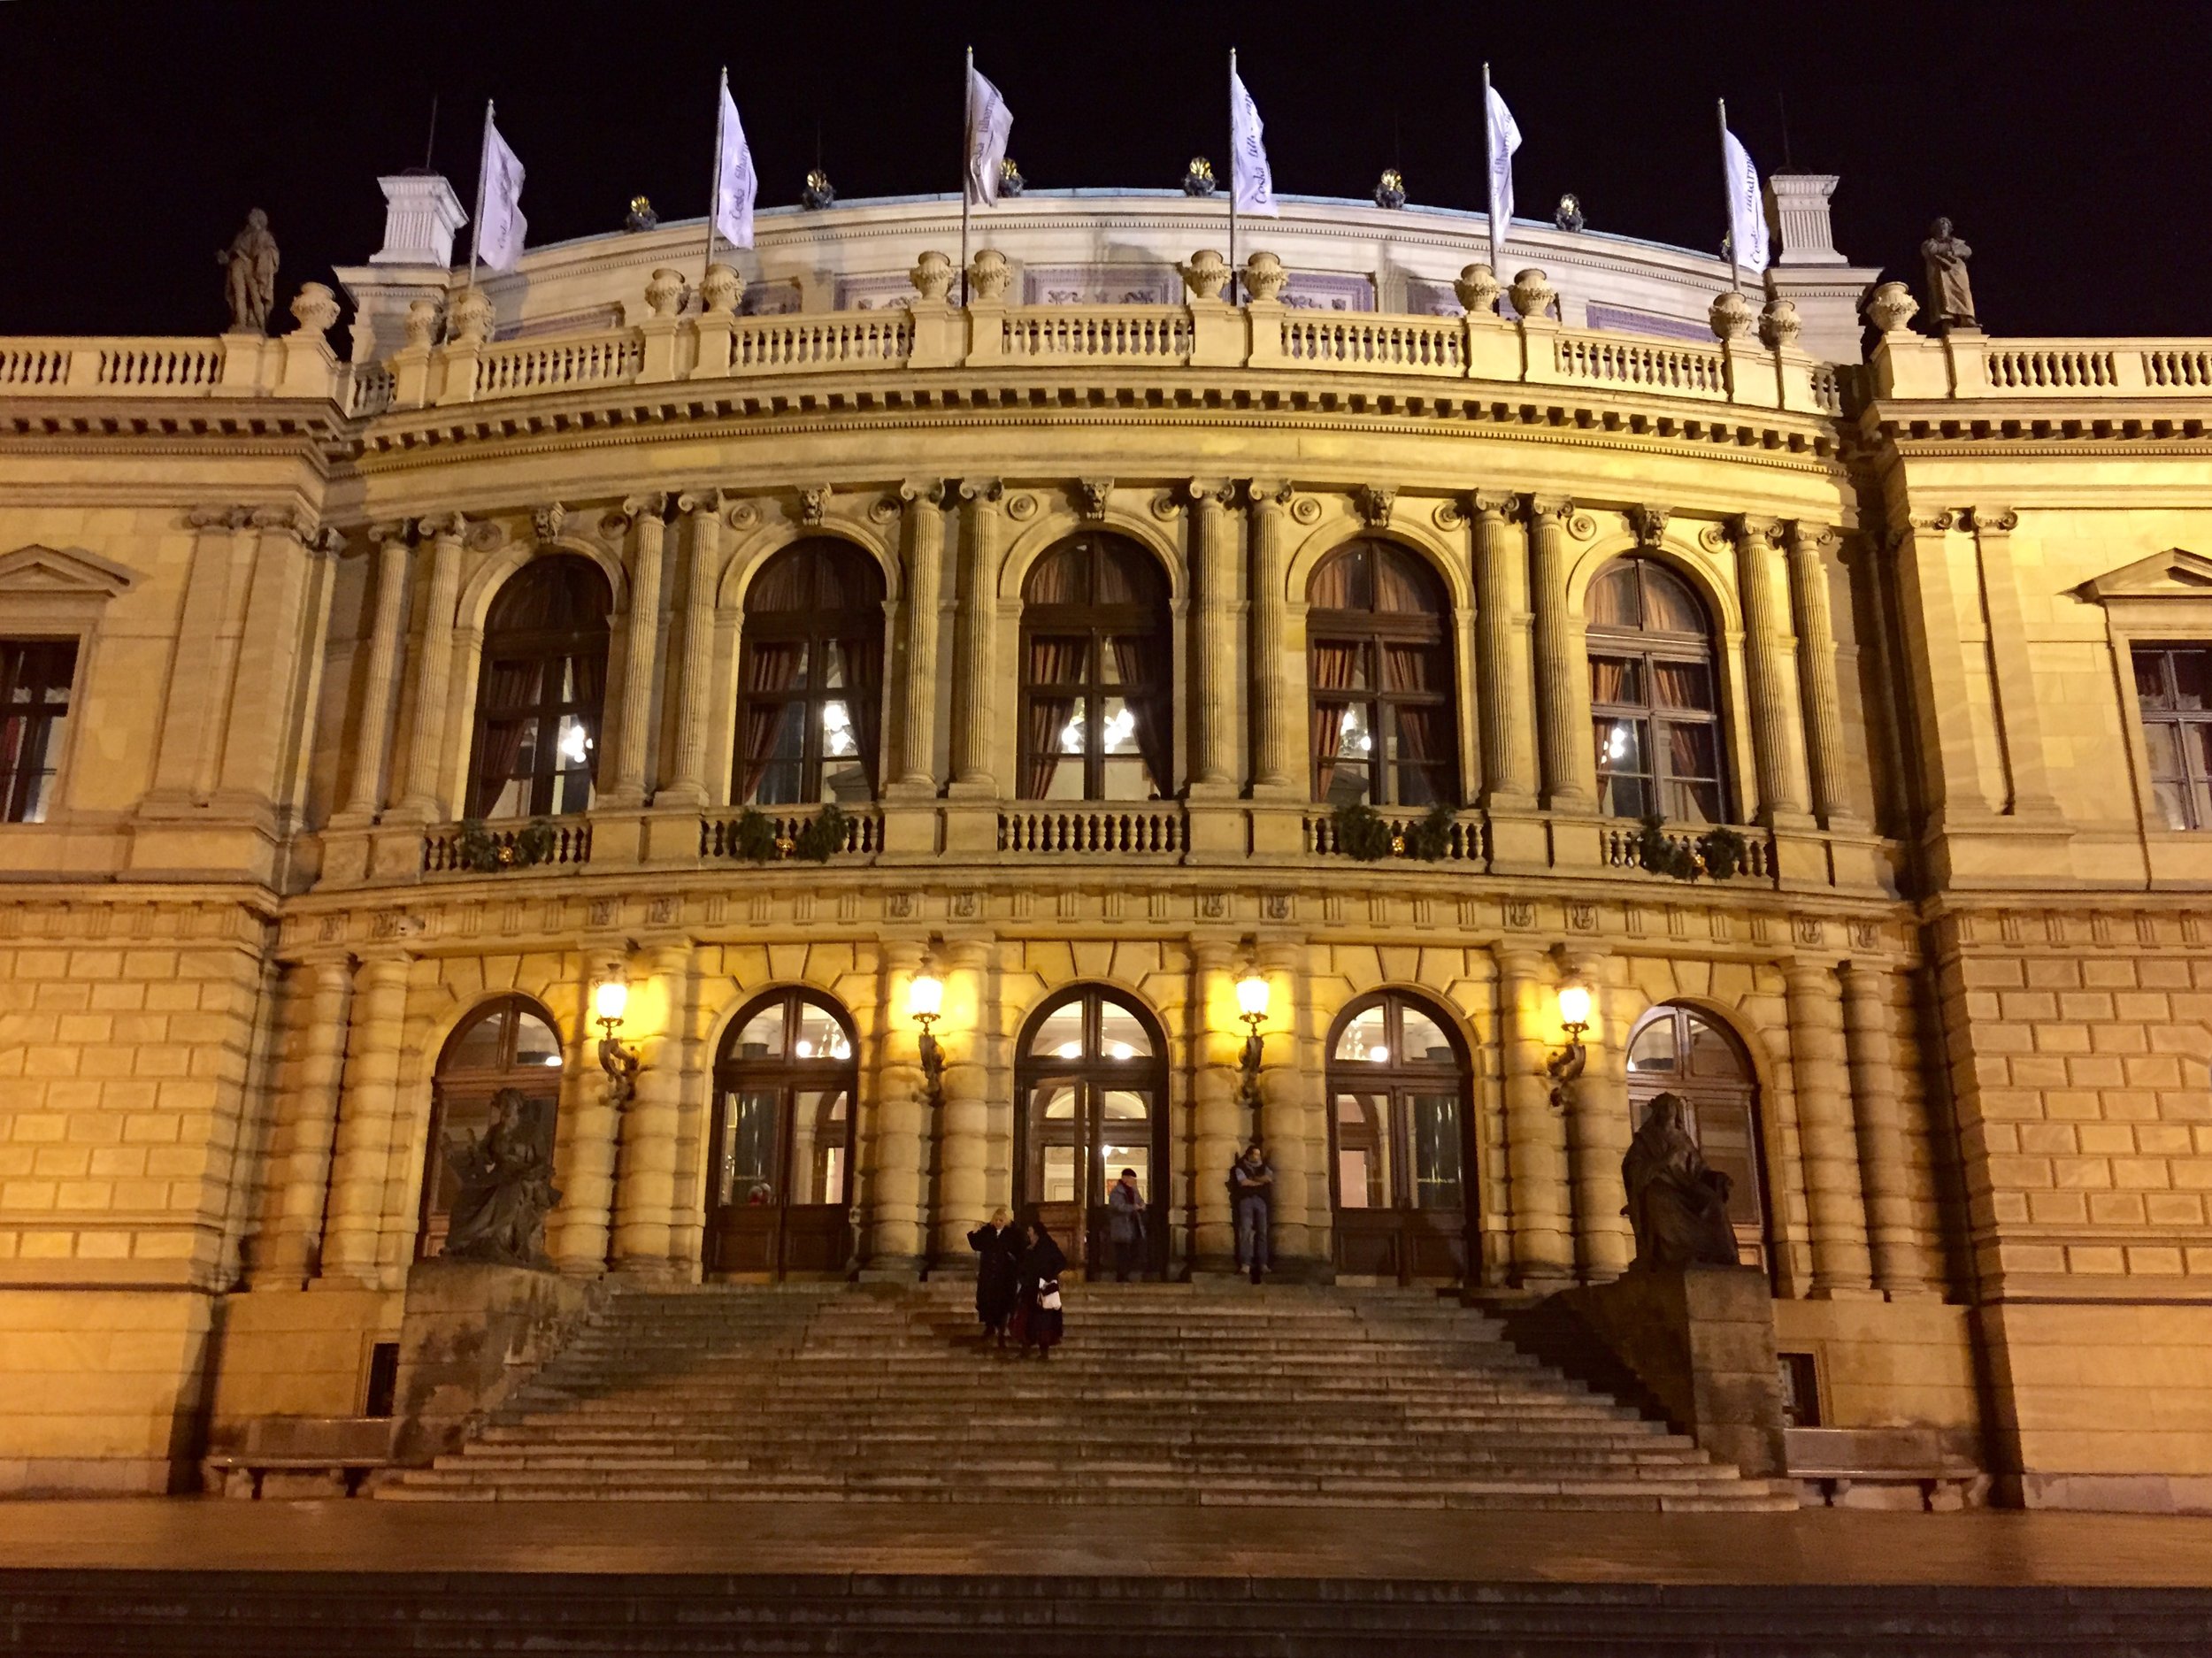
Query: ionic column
[688,785]
[1213,654]
[1809,545]
[964,1125]
[640,666]
[1509,715]
[434,668]
[1773,711]
[1276,710]
[1215,1129]
[368,1102]
[925,581]
[1597,1129]
[1901,1263]
[893,1149]
[1535,1135]
[287,1256]
[1562,677]
[366,794]
[1817,1064]
[645,1176]
[972,703]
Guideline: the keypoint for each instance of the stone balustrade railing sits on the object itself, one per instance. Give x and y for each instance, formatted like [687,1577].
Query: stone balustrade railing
[1464,840]
[299,365]
[1093,827]
[1964,364]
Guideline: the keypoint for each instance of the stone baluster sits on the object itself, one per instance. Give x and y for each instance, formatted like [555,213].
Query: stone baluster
[641,667]
[1809,546]
[1216,1131]
[1766,654]
[645,1178]
[434,670]
[1562,677]
[367,796]
[287,1256]
[924,501]
[368,1104]
[1841,1264]
[702,512]
[973,704]
[963,1124]
[893,1149]
[1597,1128]
[1536,1135]
[1277,697]
[1213,656]
[1900,1262]
[1509,715]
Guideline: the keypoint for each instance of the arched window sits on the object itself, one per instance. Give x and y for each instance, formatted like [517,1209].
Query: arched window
[1400,1109]
[539,701]
[1091,1075]
[1680,1050]
[508,1042]
[1098,671]
[779,1188]
[1379,669]
[1655,698]
[811,715]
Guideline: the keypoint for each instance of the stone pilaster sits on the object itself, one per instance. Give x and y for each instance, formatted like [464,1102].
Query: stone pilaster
[287,1255]
[964,1126]
[894,1146]
[279,656]
[924,581]
[1809,545]
[645,1182]
[640,667]
[1766,663]
[1937,661]
[1294,1098]
[198,694]
[1215,1131]
[1563,676]
[973,729]
[2020,720]
[1900,1262]
[368,1104]
[1535,1135]
[688,781]
[424,798]
[1597,1129]
[1841,1265]
[371,739]
[1276,694]
[1508,712]
[578,1231]
[1213,648]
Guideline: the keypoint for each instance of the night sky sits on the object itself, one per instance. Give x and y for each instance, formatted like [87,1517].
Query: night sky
[2072,143]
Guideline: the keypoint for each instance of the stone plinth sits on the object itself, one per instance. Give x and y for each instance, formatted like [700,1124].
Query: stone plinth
[470,1335]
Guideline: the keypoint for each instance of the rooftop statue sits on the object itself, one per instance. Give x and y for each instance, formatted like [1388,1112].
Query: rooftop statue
[505,1177]
[1678,1206]
[1950,296]
[250,268]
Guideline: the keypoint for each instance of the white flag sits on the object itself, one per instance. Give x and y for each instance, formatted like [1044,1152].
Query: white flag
[735,185]
[990,123]
[500,225]
[1747,211]
[1251,182]
[1503,138]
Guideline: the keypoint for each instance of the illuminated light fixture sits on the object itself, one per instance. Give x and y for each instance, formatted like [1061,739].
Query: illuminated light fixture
[1070,1050]
[1122,1050]
[925,1001]
[609,1001]
[1252,992]
[1565,1066]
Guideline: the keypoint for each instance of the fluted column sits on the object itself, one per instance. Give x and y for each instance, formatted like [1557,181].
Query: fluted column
[368,1102]
[1766,648]
[703,514]
[366,794]
[1508,713]
[645,1176]
[972,704]
[1215,1129]
[434,668]
[1901,1266]
[1808,546]
[894,1147]
[640,666]
[1817,1064]
[964,1126]
[1213,653]
[924,581]
[1275,707]
[1597,1129]
[1562,677]
[1535,1135]
[287,1255]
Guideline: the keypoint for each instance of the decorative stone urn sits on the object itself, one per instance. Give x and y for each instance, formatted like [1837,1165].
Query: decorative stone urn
[1731,315]
[720,289]
[1264,277]
[1533,294]
[665,292]
[1207,273]
[422,324]
[1778,325]
[1892,307]
[473,318]
[315,307]
[1478,289]
[931,275]
[988,277]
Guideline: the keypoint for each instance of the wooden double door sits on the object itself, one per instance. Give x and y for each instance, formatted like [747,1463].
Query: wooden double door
[1092,1080]
[1400,1119]
[779,1199]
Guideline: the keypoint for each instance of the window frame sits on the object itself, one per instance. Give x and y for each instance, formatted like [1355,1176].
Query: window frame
[551,648]
[814,627]
[476,1087]
[1098,624]
[2197,784]
[1743,1093]
[1647,648]
[1369,631]
[40,720]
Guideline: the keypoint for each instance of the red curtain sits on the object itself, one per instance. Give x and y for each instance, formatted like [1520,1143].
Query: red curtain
[1341,583]
[770,670]
[1053,663]
[1335,666]
[864,699]
[1148,674]
[510,696]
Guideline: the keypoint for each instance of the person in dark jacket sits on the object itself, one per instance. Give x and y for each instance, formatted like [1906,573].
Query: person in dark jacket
[1252,1198]
[1038,1320]
[998,1248]
[1125,1224]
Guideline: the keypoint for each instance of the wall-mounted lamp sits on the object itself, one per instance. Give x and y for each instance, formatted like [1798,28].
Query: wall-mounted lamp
[610,1000]
[1252,1008]
[1565,1066]
[924,1001]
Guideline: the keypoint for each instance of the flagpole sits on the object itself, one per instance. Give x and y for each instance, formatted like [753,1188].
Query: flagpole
[1490,176]
[1233,282]
[714,190]
[967,154]
[1728,196]
[476,235]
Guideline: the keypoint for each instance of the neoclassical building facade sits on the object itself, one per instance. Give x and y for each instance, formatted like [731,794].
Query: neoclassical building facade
[1243,712]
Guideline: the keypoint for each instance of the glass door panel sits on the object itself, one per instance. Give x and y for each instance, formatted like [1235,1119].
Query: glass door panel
[1363,1151]
[1433,1122]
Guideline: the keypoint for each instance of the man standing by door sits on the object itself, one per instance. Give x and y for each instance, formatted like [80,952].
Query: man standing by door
[1124,1225]
[1251,1193]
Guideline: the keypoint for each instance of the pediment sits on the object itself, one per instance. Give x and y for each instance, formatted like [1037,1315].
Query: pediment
[2176,573]
[50,572]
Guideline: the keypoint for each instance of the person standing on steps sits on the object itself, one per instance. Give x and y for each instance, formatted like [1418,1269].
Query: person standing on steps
[1251,1195]
[998,1250]
[1124,1225]
[1038,1320]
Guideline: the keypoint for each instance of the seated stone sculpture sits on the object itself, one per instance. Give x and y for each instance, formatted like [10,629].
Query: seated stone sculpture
[1678,1206]
[505,1181]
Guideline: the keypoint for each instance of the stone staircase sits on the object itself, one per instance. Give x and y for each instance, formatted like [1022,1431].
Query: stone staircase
[1164,1393]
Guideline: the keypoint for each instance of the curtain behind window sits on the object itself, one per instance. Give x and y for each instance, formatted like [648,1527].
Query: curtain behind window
[769,668]
[1147,675]
[1052,661]
[1335,666]
[510,698]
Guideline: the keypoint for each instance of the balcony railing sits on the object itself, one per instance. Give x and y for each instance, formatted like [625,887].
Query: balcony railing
[1959,366]
[1464,842]
[733,836]
[476,849]
[1622,847]
[1154,829]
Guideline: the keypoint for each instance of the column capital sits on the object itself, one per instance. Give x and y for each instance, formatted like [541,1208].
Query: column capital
[1494,505]
[1748,530]
[702,503]
[923,491]
[984,491]
[1986,521]
[442,526]
[1808,537]
[1559,508]
[635,509]
[1268,492]
[1214,492]
[399,530]
[206,518]
[301,526]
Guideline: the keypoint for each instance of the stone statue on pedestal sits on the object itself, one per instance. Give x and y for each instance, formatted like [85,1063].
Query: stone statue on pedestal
[250,268]
[505,1177]
[1950,296]
[1678,1206]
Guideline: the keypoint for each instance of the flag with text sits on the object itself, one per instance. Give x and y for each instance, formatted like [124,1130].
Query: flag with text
[1251,182]
[501,226]
[736,187]
[1502,138]
[1747,209]
[990,124]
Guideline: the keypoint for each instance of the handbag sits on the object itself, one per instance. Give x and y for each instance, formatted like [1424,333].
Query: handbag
[1048,1296]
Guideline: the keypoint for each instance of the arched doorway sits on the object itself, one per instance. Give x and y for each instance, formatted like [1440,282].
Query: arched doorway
[1683,1051]
[1092,1080]
[508,1042]
[780,1177]
[1401,1110]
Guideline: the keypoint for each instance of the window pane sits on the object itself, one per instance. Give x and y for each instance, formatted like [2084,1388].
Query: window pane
[762,1035]
[1413,668]
[1124,1105]
[817,1146]
[2162,739]
[1121,1034]
[832,664]
[2150,678]
[1362,1151]
[2173,800]
[2193,679]
[476,1046]
[2198,749]
[1420,785]
[1061,1034]
[1058,661]
[1058,1171]
[1436,1150]
[1354,739]
[748,1147]
[1613,598]
[1652,1049]
[1117,732]
[1616,681]
[534,1042]
[1694,803]
[819,1036]
[1424,1040]
[1682,685]
[1365,1037]
[1669,606]
[1621,746]
[1071,731]
[1405,585]
[838,739]
[782,783]
[1712,1056]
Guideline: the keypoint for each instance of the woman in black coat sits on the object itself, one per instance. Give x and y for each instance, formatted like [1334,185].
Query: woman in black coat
[1038,1322]
[998,1248]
